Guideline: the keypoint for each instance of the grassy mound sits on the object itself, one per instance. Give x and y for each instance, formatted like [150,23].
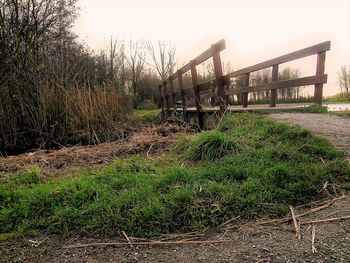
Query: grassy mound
[246,167]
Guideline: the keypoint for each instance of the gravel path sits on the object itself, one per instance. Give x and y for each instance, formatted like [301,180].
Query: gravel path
[335,128]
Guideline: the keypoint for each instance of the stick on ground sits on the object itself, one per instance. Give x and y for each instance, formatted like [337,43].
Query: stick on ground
[127,238]
[325,220]
[296,226]
[148,243]
[313,240]
[316,209]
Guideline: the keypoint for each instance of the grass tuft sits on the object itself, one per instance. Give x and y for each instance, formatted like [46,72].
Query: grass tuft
[212,145]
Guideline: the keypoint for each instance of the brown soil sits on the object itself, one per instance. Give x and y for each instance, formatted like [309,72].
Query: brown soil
[276,242]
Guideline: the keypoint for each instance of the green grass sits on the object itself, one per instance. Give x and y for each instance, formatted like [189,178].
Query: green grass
[147,115]
[336,100]
[249,166]
[314,108]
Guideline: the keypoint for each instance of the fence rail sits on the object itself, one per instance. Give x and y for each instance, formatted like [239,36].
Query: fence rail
[222,82]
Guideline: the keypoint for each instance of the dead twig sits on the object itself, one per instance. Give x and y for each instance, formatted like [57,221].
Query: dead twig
[325,220]
[172,236]
[322,160]
[333,213]
[286,219]
[263,260]
[149,151]
[313,240]
[228,221]
[296,226]
[38,243]
[147,243]
[127,238]
[189,239]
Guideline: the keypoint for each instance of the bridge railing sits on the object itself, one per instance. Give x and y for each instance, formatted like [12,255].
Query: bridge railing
[220,85]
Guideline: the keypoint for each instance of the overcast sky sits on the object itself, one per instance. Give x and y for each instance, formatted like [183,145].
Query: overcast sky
[254,31]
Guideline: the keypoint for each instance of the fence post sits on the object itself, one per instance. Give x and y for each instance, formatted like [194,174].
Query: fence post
[166,96]
[227,82]
[161,101]
[197,96]
[321,58]
[245,94]
[218,76]
[183,98]
[212,99]
[195,85]
[273,95]
[172,92]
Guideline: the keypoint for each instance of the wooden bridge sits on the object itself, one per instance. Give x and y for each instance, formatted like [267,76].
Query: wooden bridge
[220,89]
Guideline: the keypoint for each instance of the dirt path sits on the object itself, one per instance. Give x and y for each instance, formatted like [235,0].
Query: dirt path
[335,128]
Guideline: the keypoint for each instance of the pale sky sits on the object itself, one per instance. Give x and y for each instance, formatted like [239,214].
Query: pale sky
[254,31]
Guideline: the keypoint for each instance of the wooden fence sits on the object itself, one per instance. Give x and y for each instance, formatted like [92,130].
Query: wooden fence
[219,86]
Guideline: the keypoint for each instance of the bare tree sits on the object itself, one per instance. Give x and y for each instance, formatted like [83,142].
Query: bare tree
[135,60]
[344,80]
[163,57]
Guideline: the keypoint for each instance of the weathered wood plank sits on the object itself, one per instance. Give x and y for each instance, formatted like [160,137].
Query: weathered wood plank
[183,97]
[219,46]
[219,80]
[312,80]
[321,58]
[325,46]
[245,94]
[197,96]
[273,95]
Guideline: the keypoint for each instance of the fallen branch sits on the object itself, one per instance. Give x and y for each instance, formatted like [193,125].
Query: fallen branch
[147,243]
[286,219]
[325,220]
